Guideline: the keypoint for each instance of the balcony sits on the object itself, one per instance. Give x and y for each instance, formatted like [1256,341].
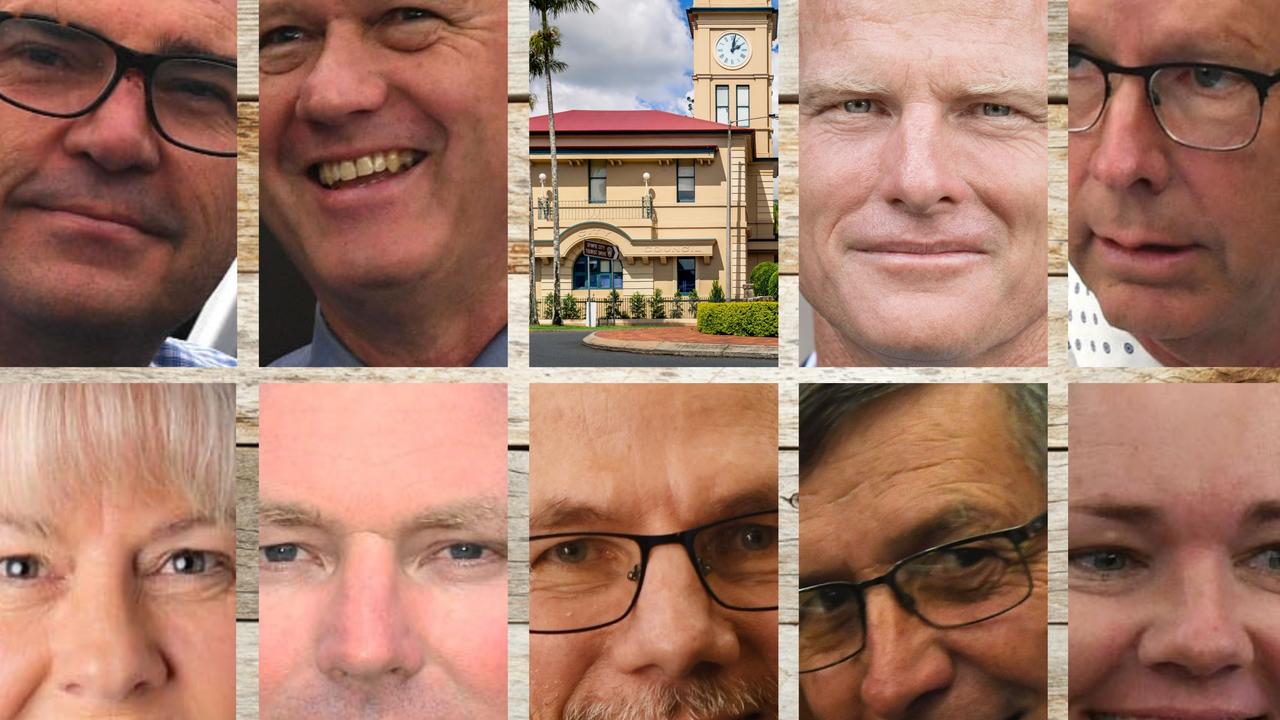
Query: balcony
[580,210]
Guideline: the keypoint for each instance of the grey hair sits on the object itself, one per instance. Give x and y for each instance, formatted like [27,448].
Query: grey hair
[59,442]
[825,408]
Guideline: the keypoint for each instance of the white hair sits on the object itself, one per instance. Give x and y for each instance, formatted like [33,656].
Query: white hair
[60,442]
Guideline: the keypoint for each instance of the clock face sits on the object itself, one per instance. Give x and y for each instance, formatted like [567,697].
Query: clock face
[732,50]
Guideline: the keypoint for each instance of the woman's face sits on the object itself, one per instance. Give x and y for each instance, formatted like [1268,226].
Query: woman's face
[120,607]
[1174,552]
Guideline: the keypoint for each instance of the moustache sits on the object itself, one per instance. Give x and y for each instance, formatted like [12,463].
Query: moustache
[138,205]
[700,699]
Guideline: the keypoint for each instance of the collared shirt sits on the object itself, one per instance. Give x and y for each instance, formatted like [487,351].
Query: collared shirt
[326,350]
[180,353]
[811,361]
[1091,340]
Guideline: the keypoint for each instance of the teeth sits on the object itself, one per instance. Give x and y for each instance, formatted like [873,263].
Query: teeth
[393,161]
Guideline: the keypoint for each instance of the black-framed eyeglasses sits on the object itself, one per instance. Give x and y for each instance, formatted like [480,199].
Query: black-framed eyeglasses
[1198,105]
[63,71]
[959,583]
[581,581]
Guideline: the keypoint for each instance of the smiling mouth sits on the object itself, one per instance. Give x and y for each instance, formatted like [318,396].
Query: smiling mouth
[363,170]
[1194,716]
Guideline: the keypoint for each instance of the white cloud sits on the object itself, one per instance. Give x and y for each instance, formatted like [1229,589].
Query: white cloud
[628,55]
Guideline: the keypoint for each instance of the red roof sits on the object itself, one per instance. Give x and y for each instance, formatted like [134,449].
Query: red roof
[638,121]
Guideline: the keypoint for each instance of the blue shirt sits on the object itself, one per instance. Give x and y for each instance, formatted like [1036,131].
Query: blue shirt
[180,353]
[326,350]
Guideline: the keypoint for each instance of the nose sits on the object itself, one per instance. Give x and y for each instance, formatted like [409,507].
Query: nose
[103,650]
[118,135]
[1196,633]
[1130,151]
[918,163]
[675,626]
[906,665]
[370,638]
[343,81]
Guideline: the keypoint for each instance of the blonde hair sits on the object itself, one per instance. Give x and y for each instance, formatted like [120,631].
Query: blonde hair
[60,442]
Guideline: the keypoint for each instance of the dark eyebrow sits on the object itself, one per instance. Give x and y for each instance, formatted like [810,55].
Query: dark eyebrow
[1263,513]
[1129,514]
[952,523]
[181,45]
[562,513]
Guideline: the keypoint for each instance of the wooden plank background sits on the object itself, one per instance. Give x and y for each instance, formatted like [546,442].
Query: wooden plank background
[519,374]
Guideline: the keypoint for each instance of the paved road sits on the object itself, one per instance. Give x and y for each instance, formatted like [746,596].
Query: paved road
[565,349]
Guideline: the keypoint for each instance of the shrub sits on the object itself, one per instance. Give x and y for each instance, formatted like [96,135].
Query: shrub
[549,306]
[613,306]
[657,308]
[569,309]
[717,292]
[676,311]
[750,319]
[773,285]
[760,277]
[693,302]
[637,305]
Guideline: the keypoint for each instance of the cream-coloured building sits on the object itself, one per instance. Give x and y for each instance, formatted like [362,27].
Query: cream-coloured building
[657,185]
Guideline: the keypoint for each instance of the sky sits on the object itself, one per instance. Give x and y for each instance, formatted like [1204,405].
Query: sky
[628,55]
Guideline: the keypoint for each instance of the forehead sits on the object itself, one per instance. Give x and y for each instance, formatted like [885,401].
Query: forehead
[938,445]
[932,33]
[145,25]
[1142,31]
[1174,443]
[681,446]
[377,454]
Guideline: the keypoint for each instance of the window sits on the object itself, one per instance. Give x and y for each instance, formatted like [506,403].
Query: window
[722,104]
[605,274]
[598,174]
[686,274]
[744,105]
[684,181]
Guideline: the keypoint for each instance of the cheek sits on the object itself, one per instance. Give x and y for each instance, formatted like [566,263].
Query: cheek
[200,641]
[838,175]
[1101,636]
[286,625]
[467,635]
[25,664]
[832,694]
[557,665]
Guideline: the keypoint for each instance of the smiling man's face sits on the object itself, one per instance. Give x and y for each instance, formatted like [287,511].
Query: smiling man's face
[384,138]
[1179,244]
[923,141]
[103,223]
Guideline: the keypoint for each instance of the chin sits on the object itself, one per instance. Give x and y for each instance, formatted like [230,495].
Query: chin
[1157,313]
[926,334]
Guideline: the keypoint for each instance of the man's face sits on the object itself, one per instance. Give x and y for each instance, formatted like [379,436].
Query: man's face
[1176,243]
[103,223]
[1174,557]
[374,84]
[921,467]
[923,143]
[118,607]
[382,570]
[658,462]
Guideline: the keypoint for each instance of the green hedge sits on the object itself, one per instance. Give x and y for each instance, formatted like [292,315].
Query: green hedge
[752,319]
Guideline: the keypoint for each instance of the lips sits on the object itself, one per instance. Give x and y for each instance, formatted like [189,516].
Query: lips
[1169,714]
[102,208]
[1146,257]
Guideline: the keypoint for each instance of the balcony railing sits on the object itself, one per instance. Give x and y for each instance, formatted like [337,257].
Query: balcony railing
[584,210]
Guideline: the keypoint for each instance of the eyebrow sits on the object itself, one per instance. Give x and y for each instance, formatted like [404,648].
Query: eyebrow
[27,526]
[827,91]
[175,44]
[565,513]
[182,525]
[1263,513]
[450,516]
[1127,513]
[943,527]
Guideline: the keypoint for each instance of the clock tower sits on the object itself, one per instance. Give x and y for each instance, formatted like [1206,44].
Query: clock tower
[733,65]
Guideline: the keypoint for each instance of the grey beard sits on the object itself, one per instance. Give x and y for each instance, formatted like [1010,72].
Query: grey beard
[701,698]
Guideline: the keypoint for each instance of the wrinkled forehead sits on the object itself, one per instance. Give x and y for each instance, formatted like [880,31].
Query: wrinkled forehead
[1137,32]
[146,25]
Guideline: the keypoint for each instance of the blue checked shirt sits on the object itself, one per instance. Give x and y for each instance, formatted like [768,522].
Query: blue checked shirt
[180,353]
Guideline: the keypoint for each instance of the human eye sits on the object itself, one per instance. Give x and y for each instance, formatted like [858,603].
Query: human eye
[829,600]
[996,110]
[1264,566]
[860,106]
[280,36]
[282,553]
[1104,569]
[21,568]
[408,29]
[194,562]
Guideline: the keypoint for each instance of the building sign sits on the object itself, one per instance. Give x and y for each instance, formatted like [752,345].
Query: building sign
[597,249]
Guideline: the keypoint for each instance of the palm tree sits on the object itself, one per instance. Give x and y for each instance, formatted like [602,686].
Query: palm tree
[542,63]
